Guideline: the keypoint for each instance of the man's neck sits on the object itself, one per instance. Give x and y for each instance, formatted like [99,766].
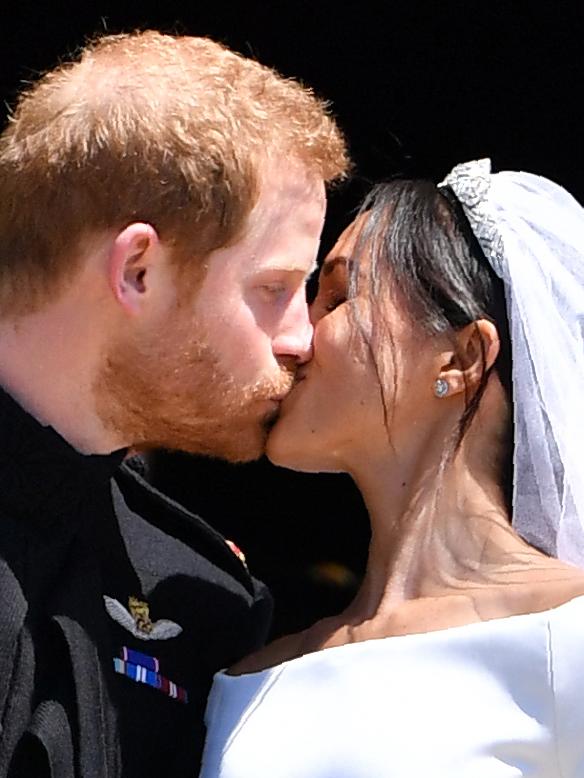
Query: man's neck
[47,363]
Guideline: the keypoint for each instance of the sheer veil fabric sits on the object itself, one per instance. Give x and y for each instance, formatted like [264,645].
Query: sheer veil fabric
[532,232]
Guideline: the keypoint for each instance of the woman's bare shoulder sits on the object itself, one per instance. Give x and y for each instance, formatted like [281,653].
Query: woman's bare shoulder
[288,647]
[555,590]
[547,586]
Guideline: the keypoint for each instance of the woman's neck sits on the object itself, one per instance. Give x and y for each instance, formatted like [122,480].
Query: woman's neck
[442,554]
[437,529]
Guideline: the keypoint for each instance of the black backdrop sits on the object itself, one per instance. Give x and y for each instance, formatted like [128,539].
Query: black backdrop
[417,87]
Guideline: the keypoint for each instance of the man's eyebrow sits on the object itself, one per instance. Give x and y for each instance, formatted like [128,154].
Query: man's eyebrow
[287,268]
[328,267]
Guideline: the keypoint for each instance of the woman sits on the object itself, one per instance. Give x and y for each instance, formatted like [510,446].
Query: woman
[463,652]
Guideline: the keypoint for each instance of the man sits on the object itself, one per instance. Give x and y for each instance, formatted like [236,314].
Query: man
[161,202]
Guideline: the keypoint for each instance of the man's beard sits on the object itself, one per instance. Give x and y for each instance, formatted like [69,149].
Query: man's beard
[172,393]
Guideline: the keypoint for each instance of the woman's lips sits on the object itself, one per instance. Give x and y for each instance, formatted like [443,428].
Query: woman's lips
[297,382]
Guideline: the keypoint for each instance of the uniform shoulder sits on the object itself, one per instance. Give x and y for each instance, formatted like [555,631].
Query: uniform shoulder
[141,510]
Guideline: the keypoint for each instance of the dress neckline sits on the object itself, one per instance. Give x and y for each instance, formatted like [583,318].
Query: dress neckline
[223,676]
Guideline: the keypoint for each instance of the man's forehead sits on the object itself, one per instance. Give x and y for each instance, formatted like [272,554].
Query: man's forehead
[287,218]
[279,178]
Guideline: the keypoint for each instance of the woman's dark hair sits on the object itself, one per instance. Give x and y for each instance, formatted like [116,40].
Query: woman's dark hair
[419,241]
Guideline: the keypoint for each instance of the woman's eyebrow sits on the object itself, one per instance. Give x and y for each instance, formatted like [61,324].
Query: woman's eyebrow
[328,267]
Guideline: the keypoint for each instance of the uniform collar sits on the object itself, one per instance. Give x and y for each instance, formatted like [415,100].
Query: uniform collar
[40,473]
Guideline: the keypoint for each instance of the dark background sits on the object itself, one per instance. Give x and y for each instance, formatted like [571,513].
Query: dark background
[417,87]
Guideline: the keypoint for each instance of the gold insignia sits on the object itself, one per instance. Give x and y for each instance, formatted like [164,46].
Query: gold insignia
[141,614]
[137,620]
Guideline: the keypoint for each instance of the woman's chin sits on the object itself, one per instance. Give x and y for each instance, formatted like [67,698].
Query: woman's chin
[280,448]
[296,451]
[285,448]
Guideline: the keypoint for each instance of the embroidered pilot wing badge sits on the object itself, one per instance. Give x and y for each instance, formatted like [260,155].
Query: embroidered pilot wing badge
[137,620]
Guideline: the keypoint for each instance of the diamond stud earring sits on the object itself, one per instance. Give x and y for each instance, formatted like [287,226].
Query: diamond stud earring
[441,387]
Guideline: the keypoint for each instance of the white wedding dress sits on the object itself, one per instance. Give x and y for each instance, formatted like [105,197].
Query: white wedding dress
[495,699]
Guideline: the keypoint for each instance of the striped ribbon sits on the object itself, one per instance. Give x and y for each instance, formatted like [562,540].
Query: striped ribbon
[148,675]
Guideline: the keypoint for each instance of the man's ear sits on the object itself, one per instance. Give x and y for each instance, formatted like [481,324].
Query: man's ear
[474,352]
[130,264]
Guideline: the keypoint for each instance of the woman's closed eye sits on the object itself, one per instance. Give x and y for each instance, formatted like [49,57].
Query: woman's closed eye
[327,301]
[334,301]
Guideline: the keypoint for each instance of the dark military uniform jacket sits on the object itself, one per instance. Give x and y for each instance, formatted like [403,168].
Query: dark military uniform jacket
[116,608]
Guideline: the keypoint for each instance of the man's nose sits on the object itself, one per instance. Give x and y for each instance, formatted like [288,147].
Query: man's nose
[294,337]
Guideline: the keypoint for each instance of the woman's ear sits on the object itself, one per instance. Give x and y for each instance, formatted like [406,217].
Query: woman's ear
[130,264]
[474,352]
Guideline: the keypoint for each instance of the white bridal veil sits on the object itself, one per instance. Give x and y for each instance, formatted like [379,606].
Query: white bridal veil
[532,232]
